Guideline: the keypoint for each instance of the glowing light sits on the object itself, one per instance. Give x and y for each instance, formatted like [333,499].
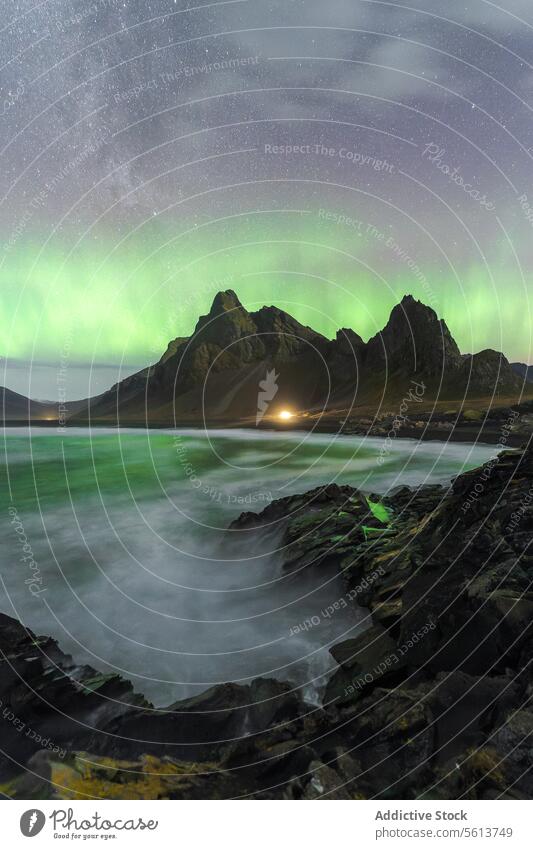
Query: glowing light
[125,302]
[286,414]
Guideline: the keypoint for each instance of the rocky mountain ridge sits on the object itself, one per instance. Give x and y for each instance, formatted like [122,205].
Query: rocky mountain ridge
[214,374]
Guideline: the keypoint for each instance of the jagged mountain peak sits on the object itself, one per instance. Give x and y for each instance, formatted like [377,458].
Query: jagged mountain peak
[412,306]
[273,318]
[413,338]
[225,301]
[218,368]
[227,320]
[347,333]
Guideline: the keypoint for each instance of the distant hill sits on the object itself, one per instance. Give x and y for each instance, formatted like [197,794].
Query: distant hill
[15,407]
[18,408]
[218,373]
[524,371]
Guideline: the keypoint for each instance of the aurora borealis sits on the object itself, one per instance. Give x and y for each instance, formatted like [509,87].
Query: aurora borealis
[326,160]
[266,392]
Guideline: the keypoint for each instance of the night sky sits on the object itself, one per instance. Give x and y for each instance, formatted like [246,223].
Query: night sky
[327,157]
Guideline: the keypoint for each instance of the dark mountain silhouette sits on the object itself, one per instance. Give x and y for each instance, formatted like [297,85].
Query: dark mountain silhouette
[15,407]
[524,371]
[414,340]
[214,375]
[20,409]
[217,370]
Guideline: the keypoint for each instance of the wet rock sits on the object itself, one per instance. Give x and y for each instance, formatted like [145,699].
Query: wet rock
[322,527]
[48,703]
[363,661]
[443,707]
[199,728]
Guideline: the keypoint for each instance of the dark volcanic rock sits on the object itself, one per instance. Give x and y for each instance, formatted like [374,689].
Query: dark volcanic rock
[196,728]
[432,694]
[319,527]
[47,701]
[432,701]
[51,708]
[363,661]
[282,509]
[413,340]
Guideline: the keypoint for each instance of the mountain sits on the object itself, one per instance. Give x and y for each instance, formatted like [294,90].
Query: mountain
[415,345]
[20,409]
[217,370]
[524,371]
[15,407]
[414,340]
[238,365]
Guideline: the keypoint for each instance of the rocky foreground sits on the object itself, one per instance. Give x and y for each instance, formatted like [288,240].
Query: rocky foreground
[434,700]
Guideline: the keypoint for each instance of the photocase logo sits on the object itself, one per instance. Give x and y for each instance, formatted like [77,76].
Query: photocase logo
[268,389]
[32,822]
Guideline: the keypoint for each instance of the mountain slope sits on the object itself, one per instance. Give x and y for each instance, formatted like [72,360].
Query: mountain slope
[413,340]
[218,374]
[415,345]
[15,407]
[524,371]
[218,369]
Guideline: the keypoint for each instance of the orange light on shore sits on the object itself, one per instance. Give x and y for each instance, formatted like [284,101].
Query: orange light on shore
[285,415]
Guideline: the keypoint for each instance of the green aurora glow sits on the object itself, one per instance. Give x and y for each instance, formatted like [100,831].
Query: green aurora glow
[124,303]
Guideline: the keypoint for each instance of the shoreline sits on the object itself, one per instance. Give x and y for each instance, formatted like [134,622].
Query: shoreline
[439,655]
[466,434]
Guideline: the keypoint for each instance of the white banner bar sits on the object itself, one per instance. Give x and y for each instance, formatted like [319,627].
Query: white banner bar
[357,824]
